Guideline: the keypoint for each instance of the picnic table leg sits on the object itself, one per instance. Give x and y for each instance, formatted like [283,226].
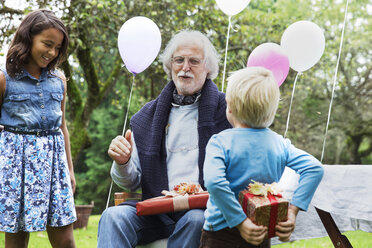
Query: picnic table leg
[338,240]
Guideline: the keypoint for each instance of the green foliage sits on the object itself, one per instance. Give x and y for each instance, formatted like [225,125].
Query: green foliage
[107,122]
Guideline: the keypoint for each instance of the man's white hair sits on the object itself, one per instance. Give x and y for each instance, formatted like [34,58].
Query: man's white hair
[211,56]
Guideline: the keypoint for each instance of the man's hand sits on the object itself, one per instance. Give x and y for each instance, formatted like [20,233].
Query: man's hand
[120,148]
[285,229]
[252,233]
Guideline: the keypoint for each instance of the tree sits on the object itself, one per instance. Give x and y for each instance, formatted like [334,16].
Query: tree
[349,139]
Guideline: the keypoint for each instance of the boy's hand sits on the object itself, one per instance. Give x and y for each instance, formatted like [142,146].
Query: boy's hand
[284,229]
[252,233]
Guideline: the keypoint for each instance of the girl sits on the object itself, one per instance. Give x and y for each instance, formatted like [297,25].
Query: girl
[36,171]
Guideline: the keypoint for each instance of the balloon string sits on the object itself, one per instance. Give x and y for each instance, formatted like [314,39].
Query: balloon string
[224,64]
[234,29]
[125,124]
[290,105]
[108,198]
[130,97]
[334,81]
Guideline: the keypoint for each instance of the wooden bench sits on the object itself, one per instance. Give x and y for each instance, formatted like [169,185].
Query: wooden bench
[120,197]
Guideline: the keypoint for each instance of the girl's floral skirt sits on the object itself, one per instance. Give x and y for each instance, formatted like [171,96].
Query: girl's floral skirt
[35,186]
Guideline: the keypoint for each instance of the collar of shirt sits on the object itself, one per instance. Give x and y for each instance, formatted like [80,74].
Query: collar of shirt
[25,73]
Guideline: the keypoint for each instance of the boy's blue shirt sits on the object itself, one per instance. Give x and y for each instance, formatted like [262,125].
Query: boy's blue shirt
[236,156]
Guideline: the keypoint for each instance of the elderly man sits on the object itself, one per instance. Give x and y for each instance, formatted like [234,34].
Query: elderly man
[167,147]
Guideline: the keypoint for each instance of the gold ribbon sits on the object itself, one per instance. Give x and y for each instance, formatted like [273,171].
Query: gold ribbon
[257,188]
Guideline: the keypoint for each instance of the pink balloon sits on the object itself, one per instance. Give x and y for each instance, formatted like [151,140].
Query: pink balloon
[272,57]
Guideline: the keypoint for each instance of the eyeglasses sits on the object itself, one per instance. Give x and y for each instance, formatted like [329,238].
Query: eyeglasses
[180,60]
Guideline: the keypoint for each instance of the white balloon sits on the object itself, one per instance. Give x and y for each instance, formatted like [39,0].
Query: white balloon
[232,7]
[139,43]
[304,43]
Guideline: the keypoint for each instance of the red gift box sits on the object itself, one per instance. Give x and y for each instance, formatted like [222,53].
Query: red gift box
[266,210]
[167,204]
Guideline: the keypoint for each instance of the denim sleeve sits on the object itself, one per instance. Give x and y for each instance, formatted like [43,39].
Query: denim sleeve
[128,176]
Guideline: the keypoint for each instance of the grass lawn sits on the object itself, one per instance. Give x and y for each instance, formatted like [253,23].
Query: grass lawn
[358,239]
[84,238]
[87,238]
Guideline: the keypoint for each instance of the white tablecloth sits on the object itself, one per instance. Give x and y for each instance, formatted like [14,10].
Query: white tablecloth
[345,191]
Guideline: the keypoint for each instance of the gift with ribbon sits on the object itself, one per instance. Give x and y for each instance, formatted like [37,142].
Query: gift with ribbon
[264,205]
[182,197]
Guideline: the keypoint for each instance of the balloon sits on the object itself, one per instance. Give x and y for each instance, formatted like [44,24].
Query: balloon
[232,7]
[139,43]
[272,57]
[304,43]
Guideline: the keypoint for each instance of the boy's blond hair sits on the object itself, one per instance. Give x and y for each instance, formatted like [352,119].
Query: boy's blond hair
[253,96]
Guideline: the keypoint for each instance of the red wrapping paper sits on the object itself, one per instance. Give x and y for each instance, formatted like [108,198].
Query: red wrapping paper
[166,204]
[264,211]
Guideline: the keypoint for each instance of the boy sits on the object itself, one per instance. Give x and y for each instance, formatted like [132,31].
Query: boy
[251,151]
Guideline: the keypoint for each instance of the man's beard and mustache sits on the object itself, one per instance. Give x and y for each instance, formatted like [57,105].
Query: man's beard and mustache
[184,82]
[187,83]
[185,74]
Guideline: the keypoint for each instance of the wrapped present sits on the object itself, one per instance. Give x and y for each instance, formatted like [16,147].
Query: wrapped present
[183,197]
[264,205]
